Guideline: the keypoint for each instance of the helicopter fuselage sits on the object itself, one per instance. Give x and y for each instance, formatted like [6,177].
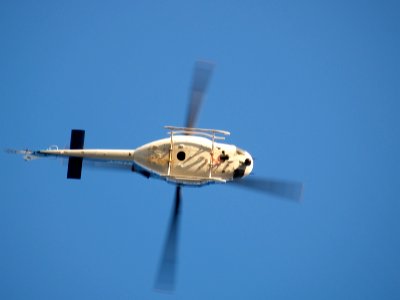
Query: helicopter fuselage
[182,159]
[193,160]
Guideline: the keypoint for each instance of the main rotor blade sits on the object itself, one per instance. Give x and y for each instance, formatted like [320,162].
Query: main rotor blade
[285,189]
[201,77]
[166,275]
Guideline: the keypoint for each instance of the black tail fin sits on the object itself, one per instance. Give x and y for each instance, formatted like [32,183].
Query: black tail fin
[75,163]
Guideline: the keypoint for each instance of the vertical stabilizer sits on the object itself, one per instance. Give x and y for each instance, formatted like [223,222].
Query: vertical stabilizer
[75,163]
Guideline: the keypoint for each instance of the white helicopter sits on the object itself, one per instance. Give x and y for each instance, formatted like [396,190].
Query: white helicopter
[188,157]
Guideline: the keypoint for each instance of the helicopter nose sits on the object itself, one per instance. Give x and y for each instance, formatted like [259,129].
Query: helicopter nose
[245,165]
[248,163]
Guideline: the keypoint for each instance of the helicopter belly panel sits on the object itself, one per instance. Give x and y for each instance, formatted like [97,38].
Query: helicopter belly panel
[190,160]
[188,157]
[225,161]
[154,157]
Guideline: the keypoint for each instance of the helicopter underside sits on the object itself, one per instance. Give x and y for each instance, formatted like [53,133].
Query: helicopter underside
[188,160]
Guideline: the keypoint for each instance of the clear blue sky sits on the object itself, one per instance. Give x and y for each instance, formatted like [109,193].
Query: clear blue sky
[310,88]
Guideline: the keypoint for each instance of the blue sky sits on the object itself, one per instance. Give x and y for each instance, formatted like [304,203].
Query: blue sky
[310,88]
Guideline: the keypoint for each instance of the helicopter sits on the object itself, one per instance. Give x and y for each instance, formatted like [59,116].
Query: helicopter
[189,156]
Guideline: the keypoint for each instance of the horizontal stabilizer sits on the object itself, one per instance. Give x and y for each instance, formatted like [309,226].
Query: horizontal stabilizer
[75,163]
[77,139]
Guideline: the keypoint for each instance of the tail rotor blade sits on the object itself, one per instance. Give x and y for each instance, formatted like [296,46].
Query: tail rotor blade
[201,78]
[284,189]
[165,280]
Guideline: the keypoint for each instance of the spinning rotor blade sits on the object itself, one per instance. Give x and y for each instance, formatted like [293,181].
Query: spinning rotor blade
[280,188]
[201,77]
[166,275]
